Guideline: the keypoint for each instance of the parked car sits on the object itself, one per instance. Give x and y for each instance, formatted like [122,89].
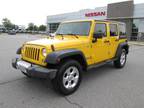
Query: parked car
[12,32]
[76,47]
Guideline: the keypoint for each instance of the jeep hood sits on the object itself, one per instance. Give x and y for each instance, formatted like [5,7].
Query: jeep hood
[59,43]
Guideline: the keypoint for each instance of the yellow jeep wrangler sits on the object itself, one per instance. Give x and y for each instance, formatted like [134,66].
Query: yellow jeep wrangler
[76,46]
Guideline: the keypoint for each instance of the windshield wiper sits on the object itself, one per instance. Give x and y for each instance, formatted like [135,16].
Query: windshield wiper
[60,35]
[73,35]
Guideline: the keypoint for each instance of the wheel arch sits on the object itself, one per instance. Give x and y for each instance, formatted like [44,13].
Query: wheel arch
[58,57]
[121,46]
[19,50]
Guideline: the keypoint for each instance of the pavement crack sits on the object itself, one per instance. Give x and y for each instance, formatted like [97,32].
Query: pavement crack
[73,103]
[7,82]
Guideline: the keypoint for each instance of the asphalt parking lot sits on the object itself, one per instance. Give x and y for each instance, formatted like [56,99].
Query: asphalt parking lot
[103,87]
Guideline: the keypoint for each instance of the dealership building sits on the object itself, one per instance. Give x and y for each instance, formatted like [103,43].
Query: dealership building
[128,12]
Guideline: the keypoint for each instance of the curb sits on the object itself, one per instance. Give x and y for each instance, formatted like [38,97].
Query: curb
[138,44]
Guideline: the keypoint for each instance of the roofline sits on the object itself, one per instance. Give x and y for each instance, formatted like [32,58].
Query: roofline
[105,20]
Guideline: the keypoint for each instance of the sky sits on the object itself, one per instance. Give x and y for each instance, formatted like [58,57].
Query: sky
[22,12]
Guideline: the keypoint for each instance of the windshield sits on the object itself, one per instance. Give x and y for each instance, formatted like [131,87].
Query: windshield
[74,28]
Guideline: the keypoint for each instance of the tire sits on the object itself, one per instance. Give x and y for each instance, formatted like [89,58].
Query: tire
[26,75]
[68,77]
[121,61]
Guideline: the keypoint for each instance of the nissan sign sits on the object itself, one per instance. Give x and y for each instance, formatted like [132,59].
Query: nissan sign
[93,14]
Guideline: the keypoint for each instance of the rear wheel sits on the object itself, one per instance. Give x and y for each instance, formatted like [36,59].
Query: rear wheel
[121,61]
[68,77]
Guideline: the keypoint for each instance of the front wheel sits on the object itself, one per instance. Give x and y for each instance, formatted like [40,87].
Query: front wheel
[121,61]
[68,77]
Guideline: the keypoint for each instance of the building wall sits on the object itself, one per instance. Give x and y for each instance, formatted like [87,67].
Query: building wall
[120,10]
[123,12]
[77,15]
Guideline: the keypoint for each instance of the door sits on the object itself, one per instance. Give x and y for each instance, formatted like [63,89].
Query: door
[101,45]
[114,39]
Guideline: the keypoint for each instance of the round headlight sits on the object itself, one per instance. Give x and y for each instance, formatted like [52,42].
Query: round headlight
[44,52]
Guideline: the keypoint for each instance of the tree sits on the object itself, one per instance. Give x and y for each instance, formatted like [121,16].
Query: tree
[7,24]
[35,28]
[42,28]
[30,26]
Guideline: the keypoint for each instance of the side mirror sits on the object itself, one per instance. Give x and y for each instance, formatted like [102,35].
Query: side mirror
[96,36]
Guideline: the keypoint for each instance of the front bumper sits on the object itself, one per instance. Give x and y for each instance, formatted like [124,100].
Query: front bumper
[34,70]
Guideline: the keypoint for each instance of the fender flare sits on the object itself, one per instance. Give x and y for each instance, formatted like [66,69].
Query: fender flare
[56,56]
[19,50]
[120,46]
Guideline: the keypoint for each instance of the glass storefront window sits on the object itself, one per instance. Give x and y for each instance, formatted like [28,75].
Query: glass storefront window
[135,29]
[141,25]
[141,30]
[138,29]
[53,27]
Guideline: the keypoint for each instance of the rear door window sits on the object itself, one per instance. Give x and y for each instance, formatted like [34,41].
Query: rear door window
[113,30]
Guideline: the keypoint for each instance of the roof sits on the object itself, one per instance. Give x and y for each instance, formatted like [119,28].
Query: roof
[93,20]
